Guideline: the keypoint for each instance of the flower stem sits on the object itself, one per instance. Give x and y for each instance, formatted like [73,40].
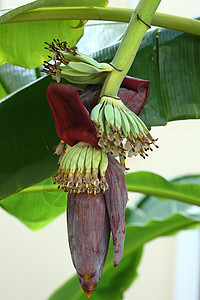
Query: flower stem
[128,48]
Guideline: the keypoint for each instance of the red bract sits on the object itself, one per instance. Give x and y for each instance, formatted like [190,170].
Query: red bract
[71,119]
[68,105]
[116,198]
[134,93]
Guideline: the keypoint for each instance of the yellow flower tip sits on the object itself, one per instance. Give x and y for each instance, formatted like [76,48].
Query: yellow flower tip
[88,293]
[89,289]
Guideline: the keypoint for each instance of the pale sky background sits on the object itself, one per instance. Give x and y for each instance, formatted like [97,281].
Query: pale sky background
[34,264]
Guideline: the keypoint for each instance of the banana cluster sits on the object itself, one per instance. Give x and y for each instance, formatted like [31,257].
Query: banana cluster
[74,66]
[80,167]
[120,130]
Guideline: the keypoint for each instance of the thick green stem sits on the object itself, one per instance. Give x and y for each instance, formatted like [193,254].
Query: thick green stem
[107,14]
[128,48]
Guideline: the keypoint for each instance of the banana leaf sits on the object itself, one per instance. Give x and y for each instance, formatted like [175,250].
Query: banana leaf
[36,206]
[23,43]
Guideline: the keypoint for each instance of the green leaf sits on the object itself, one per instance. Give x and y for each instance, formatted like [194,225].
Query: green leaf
[13,77]
[154,208]
[27,138]
[28,107]
[153,184]
[51,3]
[36,206]
[104,35]
[182,85]
[2,91]
[19,49]
[23,43]
[151,217]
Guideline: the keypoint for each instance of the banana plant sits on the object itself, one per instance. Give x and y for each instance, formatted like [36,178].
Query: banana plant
[94,124]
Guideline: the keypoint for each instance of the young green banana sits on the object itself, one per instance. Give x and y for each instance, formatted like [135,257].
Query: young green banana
[95,112]
[74,66]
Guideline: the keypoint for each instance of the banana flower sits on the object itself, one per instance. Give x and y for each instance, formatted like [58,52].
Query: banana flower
[94,180]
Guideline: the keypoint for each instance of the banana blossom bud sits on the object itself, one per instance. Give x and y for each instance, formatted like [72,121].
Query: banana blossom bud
[90,219]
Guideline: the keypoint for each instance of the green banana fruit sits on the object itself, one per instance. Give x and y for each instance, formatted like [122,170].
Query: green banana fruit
[67,161]
[87,59]
[103,163]
[101,118]
[95,112]
[118,120]
[88,159]
[109,114]
[81,160]
[83,67]
[74,66]
[134,129]
[96,158]
[125,124]
[95,170]
[87,79]
[103,168]
[75,157]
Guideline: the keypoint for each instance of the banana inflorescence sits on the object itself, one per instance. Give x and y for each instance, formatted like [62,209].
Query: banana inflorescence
[120,130]
[80,167]
[74,66]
